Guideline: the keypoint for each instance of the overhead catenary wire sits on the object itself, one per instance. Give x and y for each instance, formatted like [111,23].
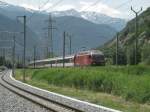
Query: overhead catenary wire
[17,43]
[40,7]
[92,5]
[10,37]
[54,5]
[118,7]
[123,4]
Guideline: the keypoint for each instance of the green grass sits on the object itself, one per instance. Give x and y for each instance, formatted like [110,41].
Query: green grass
[123,88]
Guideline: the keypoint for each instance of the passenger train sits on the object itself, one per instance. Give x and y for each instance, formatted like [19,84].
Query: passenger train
[84,58]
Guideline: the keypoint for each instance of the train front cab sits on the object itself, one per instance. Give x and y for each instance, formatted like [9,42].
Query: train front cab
[98,60]
[82,60]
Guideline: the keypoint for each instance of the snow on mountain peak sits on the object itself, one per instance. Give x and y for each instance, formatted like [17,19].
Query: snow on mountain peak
[3,4]
[70,12]
[94,17]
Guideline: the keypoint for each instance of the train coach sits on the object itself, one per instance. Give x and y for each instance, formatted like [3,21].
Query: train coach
[85,58]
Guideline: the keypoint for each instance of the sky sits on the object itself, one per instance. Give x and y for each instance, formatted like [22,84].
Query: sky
[113,8]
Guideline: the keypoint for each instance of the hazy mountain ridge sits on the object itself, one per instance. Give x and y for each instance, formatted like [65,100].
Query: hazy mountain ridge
[10,25]
[85,33]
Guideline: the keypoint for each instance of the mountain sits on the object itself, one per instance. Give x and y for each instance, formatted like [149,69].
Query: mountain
[86,33]
[6,39]
[127,38]
[94,17]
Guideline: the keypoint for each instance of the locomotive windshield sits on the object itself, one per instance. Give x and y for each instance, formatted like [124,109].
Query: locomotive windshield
[98,57]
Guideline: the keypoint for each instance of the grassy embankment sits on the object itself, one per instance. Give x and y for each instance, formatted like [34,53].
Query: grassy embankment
[123,88]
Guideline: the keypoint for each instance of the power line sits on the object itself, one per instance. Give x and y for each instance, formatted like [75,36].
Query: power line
[93,4]
[39,9]
[54,5]
[8,32]
[123,4]
[118,7]
[17,43]
[44,4]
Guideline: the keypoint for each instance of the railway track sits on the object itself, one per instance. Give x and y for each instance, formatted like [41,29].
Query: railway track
[50,105]
[52,101]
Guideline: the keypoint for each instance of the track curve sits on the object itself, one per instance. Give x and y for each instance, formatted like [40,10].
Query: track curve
[52,101]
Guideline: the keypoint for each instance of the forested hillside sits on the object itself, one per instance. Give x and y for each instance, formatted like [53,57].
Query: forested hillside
[127,39]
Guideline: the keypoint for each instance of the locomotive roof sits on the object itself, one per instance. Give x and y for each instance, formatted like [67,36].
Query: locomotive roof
[91,52]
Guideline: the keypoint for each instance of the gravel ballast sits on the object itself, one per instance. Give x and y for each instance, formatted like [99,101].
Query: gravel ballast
[10,102]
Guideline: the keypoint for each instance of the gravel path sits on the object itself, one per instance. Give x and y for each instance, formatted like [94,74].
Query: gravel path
[10,102]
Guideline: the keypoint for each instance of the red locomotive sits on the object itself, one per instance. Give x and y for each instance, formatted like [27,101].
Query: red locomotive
[86,58]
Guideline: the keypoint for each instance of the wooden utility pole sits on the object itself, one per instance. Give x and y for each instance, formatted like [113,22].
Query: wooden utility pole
[4,55]
[70,44]
[4,52]
[34,56]
[117,46]
[24,51]
[136,32]
[64,44]
[47,52]
[14,52]
[24,56]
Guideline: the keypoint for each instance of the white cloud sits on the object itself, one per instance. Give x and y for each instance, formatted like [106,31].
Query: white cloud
[82,6]
[46,6]
[100,8]
[63,7]
[36,7]
[49,7]
[30,6]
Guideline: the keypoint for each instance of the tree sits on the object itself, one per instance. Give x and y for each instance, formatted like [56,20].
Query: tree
[146,54]
[122,58]
[2,60]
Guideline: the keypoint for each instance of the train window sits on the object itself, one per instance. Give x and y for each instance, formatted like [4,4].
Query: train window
[60,61]
[67,60]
